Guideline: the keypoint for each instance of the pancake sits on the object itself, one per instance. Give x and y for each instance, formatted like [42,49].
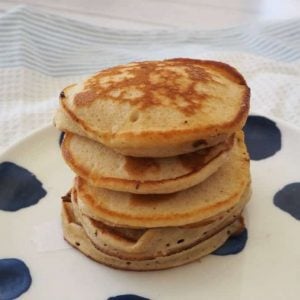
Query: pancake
[65,123]
[102,167]
[75,235]
[218,193]
[157,108]
[139,244]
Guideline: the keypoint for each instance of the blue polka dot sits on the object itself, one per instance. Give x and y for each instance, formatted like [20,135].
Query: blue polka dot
[127,297]
[288,199]
[19,188]
[262,137]
[15,278]
[234,245]
[61,137]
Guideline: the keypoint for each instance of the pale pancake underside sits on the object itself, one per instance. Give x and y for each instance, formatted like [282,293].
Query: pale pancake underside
[102,167]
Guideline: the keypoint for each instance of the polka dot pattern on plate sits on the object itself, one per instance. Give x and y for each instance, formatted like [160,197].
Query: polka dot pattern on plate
[233,245]
[288,199]
[15,278]
[127,297]
[262,137]
[19,188]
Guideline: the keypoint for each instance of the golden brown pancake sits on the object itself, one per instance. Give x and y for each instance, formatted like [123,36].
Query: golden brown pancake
[102,167]
[139,244]
[220,192]
[157,108]
[75,235]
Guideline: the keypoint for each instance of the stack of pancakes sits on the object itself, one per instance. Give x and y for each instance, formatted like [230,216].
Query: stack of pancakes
[162,168]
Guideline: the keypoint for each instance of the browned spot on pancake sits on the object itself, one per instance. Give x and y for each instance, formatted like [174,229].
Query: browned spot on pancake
[198,143]
[132,235]
[149,199]
[62,94]
[198,159]
[169,83]
[140,165]
[137,185]
[75,196]
[197,73]
[84,98]
[194,161]
[67,197]
[242,226]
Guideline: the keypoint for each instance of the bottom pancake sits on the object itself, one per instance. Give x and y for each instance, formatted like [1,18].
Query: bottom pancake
[76,236]
[140,244]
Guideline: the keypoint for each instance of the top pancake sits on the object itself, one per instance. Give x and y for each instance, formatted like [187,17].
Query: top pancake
[205,201]
[158,108]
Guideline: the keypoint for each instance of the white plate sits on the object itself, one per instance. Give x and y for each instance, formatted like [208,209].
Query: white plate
[268,267]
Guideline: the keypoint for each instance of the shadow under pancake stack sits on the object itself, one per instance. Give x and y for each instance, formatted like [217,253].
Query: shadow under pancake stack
[162,171]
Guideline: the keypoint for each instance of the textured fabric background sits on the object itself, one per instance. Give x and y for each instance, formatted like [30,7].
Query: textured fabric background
[41,53]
